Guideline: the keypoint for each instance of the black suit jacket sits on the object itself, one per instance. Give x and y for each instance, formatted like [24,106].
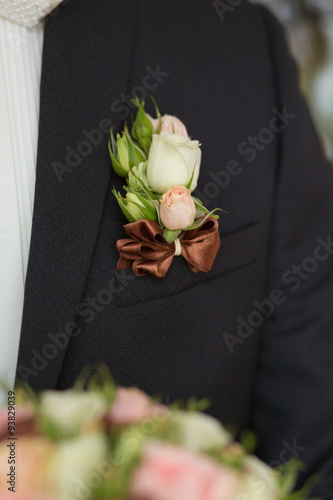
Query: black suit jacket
[255,334]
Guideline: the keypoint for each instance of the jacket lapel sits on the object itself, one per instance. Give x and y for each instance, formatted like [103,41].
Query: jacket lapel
[86,60]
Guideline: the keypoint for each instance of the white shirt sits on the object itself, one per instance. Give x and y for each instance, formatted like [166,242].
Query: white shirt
[20,70]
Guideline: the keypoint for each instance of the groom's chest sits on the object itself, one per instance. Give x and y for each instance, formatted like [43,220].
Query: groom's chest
[165,335]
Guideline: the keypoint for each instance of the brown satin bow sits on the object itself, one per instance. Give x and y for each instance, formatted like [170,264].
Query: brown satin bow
[147,251]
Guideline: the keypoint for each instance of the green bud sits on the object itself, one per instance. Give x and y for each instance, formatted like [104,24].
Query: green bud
[142,129]
[123,205]
[124,153]
[113,150]
[136,175]
[141,207]
[136,207]
[132,207]
[135,154]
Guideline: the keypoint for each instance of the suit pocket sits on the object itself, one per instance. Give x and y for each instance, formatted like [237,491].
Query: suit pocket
[238,249]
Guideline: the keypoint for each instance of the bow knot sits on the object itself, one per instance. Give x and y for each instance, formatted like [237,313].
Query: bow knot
[147,251]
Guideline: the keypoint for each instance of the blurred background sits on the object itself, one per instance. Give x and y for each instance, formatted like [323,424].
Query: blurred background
[309,30]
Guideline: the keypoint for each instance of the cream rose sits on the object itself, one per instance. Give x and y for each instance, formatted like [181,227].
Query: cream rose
[74,461]
[257,472]
[199,431]
[171,161]
[72,411]
[177,208]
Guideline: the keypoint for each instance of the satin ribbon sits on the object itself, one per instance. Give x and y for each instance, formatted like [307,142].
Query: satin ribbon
[148,252]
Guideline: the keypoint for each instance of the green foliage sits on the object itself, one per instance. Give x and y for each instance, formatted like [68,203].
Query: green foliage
[124,153]
[249,441]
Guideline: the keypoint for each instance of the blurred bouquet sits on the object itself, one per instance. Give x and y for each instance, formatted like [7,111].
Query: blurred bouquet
[116,443]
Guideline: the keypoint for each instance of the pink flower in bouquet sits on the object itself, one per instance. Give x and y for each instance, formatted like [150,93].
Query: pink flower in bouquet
[171,473]
[170,124]
[33,457]
[131,406]
[3,423]
[24,420]
[9,495]
[177,209]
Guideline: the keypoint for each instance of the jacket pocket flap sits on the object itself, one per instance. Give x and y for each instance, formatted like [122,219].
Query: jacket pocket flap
[238,249]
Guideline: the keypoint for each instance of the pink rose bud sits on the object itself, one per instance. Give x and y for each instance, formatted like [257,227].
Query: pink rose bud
[177,209]
[171,473]
[170,124]
[131,406]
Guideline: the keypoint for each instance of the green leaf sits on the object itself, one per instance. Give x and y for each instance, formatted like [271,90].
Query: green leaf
[82,379]
[305,492]
[136,101]
[113,142]
[128,214]
[25,392]
[188,185]
[151,195]
[171,235]
[157,206]
[147,212]
[199,213]
[51,429]
[198,223]
[249,441]
[200,206]
[150,209]
[158,114]
[102,382]
[196,405]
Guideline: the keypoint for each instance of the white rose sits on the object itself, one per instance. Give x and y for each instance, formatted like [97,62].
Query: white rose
[76,461]
[72,411]
[260,481]
[171,161]
[200,432]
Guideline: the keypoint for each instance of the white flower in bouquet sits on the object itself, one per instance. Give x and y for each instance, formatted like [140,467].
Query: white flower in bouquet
[260,480]
[199,431]
[76,465]
[71,411]
[171,162]
[119,443]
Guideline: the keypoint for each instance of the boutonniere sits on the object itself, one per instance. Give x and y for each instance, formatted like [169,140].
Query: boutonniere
[161,165]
